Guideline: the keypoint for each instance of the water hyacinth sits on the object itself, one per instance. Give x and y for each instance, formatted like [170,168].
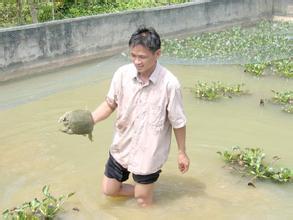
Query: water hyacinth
[256,69]
[251,162]
[285,67]
[47,208]
[282,68]
[266,44]
[285,99]
[216,90]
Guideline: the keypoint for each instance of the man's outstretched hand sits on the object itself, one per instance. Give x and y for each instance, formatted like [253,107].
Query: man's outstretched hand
[183,162]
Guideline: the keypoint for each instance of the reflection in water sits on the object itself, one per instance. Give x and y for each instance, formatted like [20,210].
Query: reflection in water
[34,153]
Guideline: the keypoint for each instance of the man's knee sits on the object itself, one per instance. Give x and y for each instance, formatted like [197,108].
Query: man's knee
[144,201]
[110,187]
[144,194]
[110,191]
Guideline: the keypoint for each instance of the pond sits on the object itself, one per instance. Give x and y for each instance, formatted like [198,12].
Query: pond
[35,153]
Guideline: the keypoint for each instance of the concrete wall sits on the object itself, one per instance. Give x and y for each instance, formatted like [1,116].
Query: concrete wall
[34,48]
[283,7]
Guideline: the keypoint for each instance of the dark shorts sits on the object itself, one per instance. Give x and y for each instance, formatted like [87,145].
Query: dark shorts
[114,170]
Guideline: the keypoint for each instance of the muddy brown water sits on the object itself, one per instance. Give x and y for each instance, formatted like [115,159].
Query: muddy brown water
[34,153]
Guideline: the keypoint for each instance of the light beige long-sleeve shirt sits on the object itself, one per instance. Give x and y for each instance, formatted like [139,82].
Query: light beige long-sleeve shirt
[146,113]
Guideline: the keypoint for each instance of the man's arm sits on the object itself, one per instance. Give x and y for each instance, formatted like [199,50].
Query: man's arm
[183,160]
[102,112]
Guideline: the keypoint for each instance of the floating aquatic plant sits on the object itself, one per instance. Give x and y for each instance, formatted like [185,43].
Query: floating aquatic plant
[36,209]
[256,69]
[284,67]
[285,99]
[215,90]
[257,47]
[250,162]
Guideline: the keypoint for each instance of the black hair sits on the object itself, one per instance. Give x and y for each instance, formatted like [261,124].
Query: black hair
[147,37]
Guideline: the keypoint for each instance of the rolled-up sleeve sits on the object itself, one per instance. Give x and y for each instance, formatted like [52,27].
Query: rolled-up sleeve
[175,109]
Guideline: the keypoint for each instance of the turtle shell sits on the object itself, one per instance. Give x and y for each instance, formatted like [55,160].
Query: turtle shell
[80,122]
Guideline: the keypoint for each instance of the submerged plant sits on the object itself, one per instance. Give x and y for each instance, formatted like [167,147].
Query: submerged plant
[250,161]
[216,90]
[288,108]
[36,209]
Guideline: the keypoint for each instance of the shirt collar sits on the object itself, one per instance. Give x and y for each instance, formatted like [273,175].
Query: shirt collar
[154,76]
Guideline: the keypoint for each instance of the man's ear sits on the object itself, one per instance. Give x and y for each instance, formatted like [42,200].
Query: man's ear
[158,53]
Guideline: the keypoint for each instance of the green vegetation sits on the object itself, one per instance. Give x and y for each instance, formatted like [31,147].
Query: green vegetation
[285,67]
[256,69]
[282,67]
[250,161]
[46,208]
[285,99]
[268,44]
[216,90]
[18,12]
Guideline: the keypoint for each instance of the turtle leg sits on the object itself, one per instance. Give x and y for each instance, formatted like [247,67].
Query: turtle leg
[67,130]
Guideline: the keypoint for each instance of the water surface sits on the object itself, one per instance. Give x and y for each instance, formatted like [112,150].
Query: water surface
[34,153]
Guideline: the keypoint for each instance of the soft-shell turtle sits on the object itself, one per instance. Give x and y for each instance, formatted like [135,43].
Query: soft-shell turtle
[78,122]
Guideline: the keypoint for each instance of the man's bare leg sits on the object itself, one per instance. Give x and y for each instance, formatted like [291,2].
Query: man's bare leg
[112,187]
[144,194]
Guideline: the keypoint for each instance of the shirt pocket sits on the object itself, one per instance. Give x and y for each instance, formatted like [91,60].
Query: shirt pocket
[156,117]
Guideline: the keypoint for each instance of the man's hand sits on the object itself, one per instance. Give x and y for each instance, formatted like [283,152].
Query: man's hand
[183,162]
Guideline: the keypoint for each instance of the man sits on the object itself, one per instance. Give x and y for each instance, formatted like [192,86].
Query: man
[149,104]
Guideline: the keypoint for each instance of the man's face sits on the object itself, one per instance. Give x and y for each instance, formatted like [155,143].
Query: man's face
[144,59]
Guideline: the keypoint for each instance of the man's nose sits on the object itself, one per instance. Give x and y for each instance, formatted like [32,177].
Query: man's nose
[136,60]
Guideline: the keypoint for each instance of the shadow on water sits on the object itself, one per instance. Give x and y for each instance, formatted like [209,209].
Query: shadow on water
[171,188]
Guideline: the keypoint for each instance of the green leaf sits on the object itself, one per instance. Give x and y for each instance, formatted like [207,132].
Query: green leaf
[252,161]
[45,190]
